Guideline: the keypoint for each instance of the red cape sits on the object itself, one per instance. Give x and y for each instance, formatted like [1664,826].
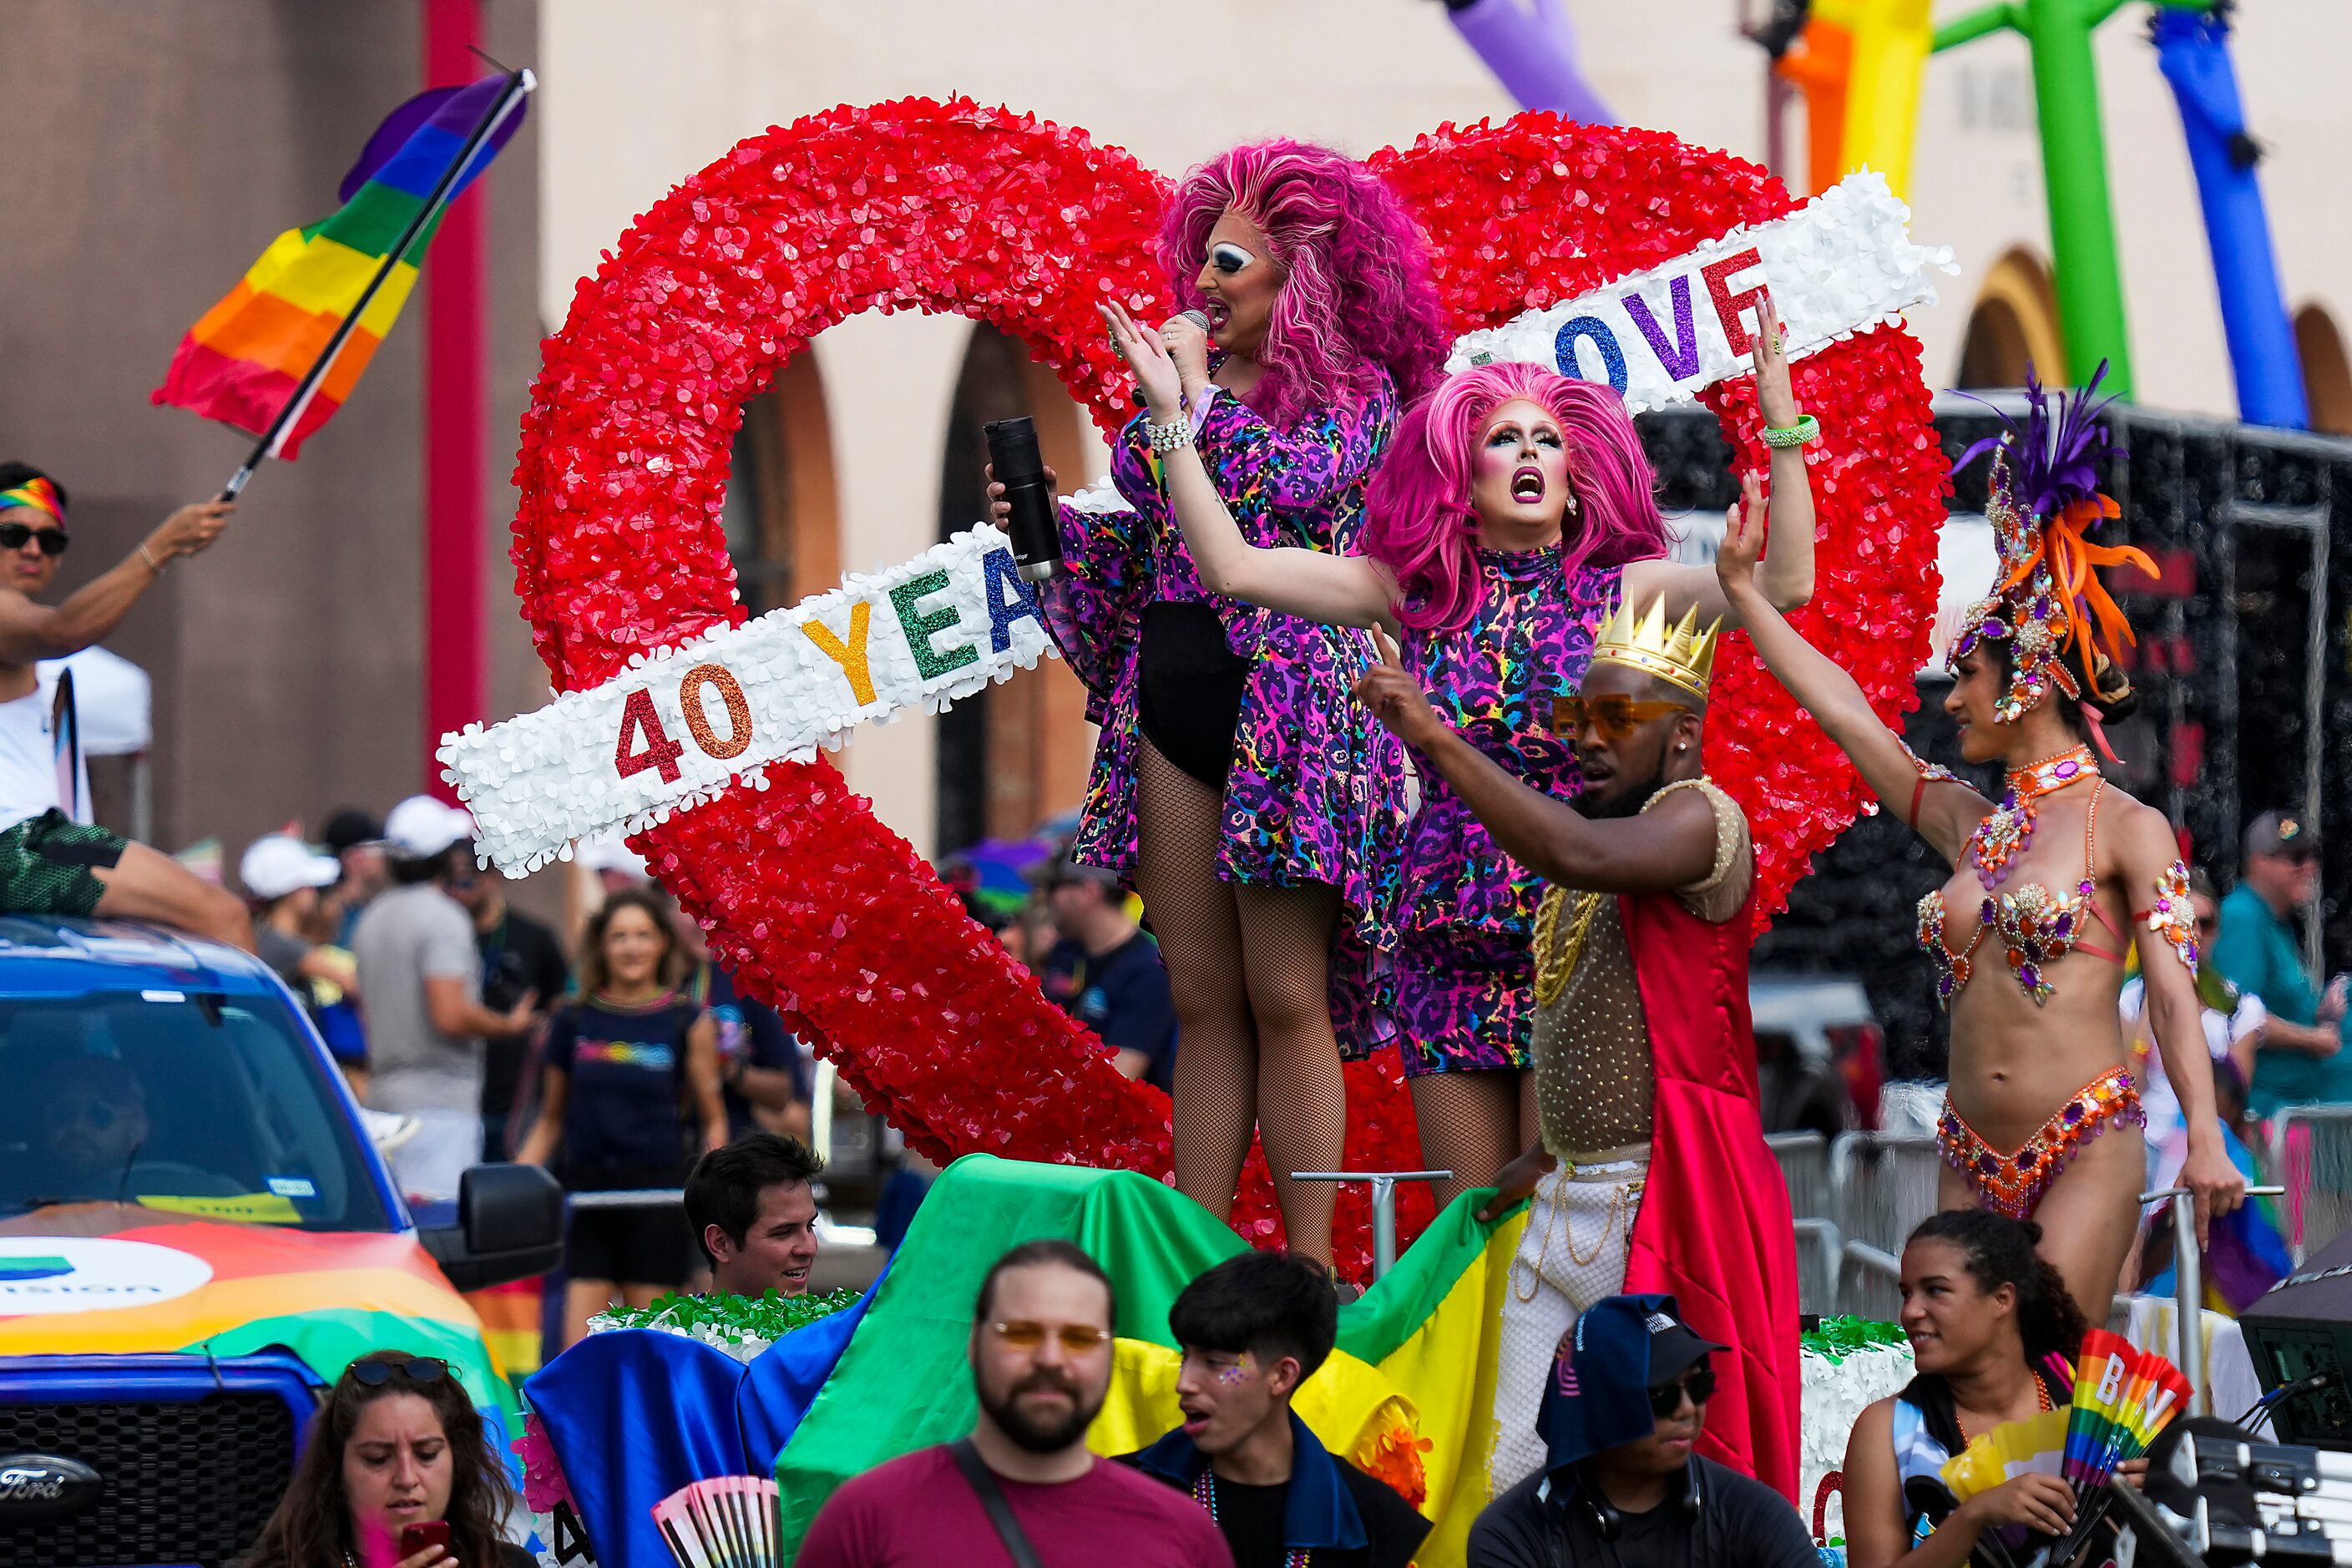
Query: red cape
[1714,1227]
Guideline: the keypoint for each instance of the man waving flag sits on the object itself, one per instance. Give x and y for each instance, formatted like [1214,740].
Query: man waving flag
[280,354]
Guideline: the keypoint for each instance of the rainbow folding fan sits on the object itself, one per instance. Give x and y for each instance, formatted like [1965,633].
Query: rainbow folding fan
[2122,1397]
[727,1521]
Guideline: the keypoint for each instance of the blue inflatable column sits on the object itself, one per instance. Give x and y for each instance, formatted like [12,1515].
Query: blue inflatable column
[2193,51]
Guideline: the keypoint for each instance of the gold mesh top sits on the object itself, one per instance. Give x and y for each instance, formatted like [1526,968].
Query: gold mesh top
[1592,1047]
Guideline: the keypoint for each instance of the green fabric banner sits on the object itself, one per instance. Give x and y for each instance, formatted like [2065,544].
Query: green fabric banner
[905,1382]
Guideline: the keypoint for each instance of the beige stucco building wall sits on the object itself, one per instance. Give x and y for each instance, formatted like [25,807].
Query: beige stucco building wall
[639,96]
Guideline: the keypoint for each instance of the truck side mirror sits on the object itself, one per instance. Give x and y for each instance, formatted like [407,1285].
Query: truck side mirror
[509,1226]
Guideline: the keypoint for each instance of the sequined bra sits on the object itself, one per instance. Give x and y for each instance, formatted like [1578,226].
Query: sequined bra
[2036,927]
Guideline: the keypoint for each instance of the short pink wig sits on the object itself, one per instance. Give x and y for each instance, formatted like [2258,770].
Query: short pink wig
[1356,291]
[1420,522]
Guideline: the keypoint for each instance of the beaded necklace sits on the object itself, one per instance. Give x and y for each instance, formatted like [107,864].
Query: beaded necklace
[2002,835]
[2040,1399]
[1204,1492]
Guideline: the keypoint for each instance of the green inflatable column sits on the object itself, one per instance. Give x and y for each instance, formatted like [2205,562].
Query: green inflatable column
[2075,172]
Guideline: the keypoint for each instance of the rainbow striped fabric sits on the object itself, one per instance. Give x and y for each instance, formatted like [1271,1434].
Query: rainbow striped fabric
[247,357]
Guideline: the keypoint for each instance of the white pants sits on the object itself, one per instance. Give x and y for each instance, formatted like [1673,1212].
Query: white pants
[1579,1230]
[427,1166]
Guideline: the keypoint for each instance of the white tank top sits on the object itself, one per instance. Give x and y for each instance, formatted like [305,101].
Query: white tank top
[28,764]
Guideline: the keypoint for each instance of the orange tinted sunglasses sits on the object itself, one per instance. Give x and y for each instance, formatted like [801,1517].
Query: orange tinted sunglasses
[1614,717]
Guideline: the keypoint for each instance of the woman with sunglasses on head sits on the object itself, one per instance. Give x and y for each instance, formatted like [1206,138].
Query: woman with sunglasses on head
[1515,511]
[1994,1336]
[1234,781]
[51,863]
[396,1457]
[2052,888]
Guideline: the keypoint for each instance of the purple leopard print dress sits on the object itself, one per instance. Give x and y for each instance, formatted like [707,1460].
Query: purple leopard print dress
[1458,983]
[1316,787]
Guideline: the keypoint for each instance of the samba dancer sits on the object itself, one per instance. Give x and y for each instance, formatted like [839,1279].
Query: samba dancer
[1515,508]
[1234,781]
[2052,887]
[1645,1063]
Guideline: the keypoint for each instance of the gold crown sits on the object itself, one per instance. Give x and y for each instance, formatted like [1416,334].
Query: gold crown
[1685,655]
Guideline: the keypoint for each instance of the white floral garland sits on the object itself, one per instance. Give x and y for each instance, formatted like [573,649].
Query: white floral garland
[1836,1390]
[681,725]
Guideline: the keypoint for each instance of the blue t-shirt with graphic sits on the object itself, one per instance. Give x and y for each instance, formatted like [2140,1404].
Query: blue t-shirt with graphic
[625,1118]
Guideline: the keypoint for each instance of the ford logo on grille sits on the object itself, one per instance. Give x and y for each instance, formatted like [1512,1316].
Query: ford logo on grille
[45,1486]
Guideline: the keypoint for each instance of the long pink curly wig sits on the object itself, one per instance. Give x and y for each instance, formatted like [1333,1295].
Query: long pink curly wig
[1355,290]
[1420,520]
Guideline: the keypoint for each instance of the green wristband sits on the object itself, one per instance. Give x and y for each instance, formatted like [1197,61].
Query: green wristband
[1804,432]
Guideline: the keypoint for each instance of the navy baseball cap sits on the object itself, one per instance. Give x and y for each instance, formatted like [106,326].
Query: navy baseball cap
[1598,1393]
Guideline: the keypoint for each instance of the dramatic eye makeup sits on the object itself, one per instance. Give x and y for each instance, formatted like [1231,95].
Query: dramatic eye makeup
[1228,257]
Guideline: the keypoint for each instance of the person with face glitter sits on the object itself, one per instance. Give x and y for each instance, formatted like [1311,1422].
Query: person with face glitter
[2051,889]
[50,863]
[1041,1363]
[1233,783]
[1252,1329]
[1648,1170]
[1515,508]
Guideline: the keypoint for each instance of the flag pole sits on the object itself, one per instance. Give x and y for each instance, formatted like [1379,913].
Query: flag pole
[519,83]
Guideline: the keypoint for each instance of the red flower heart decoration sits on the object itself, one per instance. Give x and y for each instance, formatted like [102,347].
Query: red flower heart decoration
[1025,224]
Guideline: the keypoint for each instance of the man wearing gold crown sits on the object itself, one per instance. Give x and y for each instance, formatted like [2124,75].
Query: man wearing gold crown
[1651,1171]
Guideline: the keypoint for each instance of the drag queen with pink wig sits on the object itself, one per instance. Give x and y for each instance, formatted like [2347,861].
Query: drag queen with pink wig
[1515,511]
[1247,798]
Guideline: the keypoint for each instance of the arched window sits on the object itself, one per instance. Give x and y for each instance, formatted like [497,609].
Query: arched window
[2014,325]
[2326,375]
[784,531]
[1015,754]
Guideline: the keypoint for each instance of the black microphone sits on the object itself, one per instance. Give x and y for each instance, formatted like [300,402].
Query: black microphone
[1033,524]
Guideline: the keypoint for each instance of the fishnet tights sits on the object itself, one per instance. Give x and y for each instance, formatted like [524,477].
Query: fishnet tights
[1248,967]
[1472,1125]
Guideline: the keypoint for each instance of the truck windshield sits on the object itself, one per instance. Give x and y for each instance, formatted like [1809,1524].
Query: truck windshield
[209,1105]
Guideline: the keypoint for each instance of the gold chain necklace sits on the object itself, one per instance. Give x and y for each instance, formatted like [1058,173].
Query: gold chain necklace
[1555,962]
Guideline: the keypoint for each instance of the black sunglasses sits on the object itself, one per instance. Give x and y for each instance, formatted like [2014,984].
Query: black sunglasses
[416,1368]
[1699,1386]
[12,536]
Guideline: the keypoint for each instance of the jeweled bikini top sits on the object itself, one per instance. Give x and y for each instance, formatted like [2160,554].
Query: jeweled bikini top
[2036,926]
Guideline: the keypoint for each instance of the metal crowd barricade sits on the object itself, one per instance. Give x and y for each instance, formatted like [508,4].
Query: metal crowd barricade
[1884,1185]
[1870,1283]
[2189,1291]
[2311,1157]
[1881,1186]
[1805,1161]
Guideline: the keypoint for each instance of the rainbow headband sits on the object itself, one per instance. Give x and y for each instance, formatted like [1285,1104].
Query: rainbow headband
[37,493]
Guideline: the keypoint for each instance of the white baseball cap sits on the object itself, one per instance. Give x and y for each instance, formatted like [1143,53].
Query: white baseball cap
[421,827]
[278,863]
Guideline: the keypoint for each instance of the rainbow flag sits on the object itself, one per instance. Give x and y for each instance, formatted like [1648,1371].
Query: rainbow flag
[254,353]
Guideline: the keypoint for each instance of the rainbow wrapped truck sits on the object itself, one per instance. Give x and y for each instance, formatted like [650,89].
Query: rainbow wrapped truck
[196,1235]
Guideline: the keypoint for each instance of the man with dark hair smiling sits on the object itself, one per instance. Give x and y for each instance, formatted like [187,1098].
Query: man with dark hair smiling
[752,1208]
[1252,1329]
[1023,1482]
[1650,1170]
[1620,1486]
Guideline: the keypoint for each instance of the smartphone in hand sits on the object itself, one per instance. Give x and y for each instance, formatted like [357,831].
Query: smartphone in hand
[416,1537]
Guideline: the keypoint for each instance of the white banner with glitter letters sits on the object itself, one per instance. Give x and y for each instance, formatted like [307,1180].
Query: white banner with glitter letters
[1840,264]
[679,727]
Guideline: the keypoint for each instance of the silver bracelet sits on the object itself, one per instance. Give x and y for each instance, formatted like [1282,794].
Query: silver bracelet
[152,564]
[1168,437]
